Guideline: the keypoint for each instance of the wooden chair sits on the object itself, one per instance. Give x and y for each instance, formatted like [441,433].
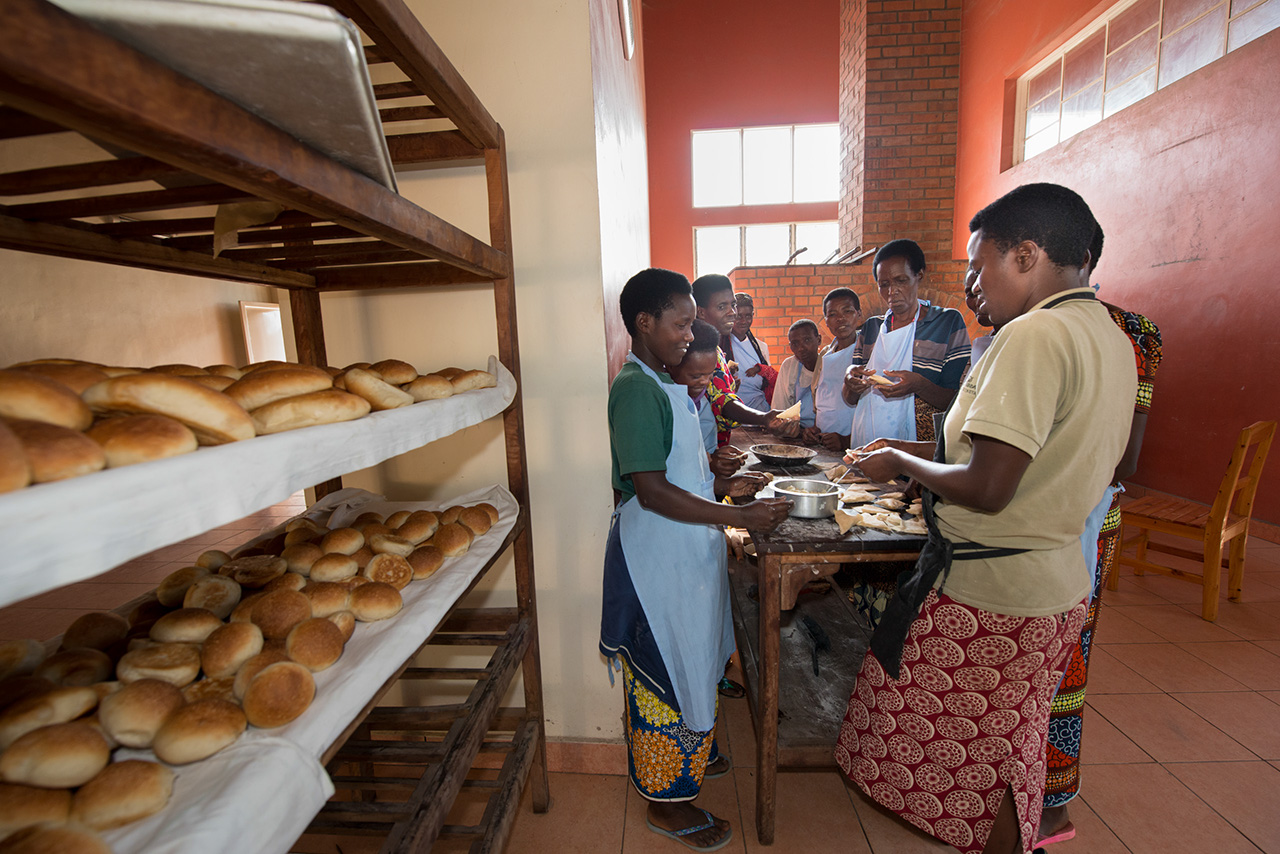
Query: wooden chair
[1222,527]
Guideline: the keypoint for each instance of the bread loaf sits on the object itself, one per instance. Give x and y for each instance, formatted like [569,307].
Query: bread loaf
[55,756]
[267,386]
[134,714]
[476,520]
[76,378]
[429,387]
[215,593]
[425,561]
[231,372]
[76,667]
[419,527]
[375,601]
[329,406]
[469,380]
[15,471]
[278,694]
[130,439]
[334,567]
[26,806]
[96,630]
[20,657]
[342,541]
[198,730]
[394,371]
[122,793]
[453,539]
[277,612]
[55,452]
[381,395]
[30,397]
[448,373]
[175,663]
[326,598]
[315,643]
[55,839]
[47,707]
[185,625]
[173,589]
[217,383]
[251,668]
[226,649]
[212,416]
[179,369]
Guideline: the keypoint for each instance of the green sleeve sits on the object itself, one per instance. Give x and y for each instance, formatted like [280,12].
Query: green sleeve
[640,424]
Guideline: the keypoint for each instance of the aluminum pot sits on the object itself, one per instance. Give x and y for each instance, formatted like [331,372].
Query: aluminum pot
[814,499]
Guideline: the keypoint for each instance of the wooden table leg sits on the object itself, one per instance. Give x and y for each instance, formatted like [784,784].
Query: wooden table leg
[770,587]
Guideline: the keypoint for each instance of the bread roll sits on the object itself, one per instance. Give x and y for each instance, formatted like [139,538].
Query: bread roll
[117,371]
[326,598]
[216,383]
[26,806]
[265,365]
[122,793]
[469,380]
[262,387]
[212,416]
[342,541]
[334,567]
[304,522]
[97,630]
[450,515]
[20,688]
[381,395]
[371,527]
[222,688]
[179,369]
[243,612]
[216,593]
[175,663]
[185,625]
[55,756]
[198,730]
[254,571]
[278,694]
[55,452]
[453,539]
[76,667]
[315,644]
[394,371]
[15,471]
[346,623]
[20,657]
[134,714]
[448,373]
[361,365]
[301,556]
[476,520]
[49,707]
[389,569]
[251,668]
[148,610]
[213,559]
[299,536]
[375,601]
[231,372]
[491,510]
[366,517]
[390,544]
[396,519]
[288,581]
[277,612]
[353,582]
[425,561]
[362,557]
[429,387]
[173,589]
[130,439]
[329,406]
[30,397]
[419,527]
[55,839]
[228,648]
[76,377]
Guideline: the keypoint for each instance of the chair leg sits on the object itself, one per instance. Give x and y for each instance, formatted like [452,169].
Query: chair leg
[1212,580]
[1235,571]
[1142,550]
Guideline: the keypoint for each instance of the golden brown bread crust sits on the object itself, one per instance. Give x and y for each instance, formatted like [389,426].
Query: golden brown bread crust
[255,570]
[55,452]
[390,544]
[215,593]
[277,612]
[185,625]
[375,601]
[476,520]
[453,539]
[419,527]
[470,380]
[429,387]
[449,515]
[96,630]
[173,589]
[328,406]
[217,383]
[389,569]
[213,559]
[222,688]
[251,668]
[288,581]
[228,648]
[491,510]
[425,561]
[55,839]
[381,395]
[179,369]
[32,397]
[76,377]
[57,706]
[25,806]
[279,694]
[346,623]
[215,418]
[134,714]
[342,541]
[316,644]
[76,667]
[334,567]
[55,756]
[175,663]
[326,597]
[122,793]
[20,657]
[396,519]
[231,372]
[300,556]
[267,386]
[15,471]
[198,730]
[394,371]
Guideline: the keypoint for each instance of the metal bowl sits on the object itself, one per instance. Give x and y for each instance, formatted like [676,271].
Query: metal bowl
[814,499]
[783,455]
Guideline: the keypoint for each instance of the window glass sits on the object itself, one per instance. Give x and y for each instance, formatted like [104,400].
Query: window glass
[717,168]
[1192,47]
[767,244]
[821,238]
[1258,21]
[766,166]
[1083,65]
[717,249]
[1131,22]
[817,163]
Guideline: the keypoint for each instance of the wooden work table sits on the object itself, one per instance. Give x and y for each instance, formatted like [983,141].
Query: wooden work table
[773,623]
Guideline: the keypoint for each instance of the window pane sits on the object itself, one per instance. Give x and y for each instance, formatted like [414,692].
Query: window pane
[717,168]
[768,244]
[1259,20]
[1043,114]
[1042,141]
[822,238]
[1083,64]
[1129,93]
[718,249]
[1044,82]
[1131,59]
[1132,21]
[1193,47]
[766,166]
[1082,111]
[817,166]
[1179,13]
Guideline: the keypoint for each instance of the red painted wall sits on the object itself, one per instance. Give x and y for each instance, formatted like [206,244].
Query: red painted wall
[729,63]
[1185,184]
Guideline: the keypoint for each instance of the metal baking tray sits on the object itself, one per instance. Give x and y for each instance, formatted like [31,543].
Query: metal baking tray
[299,66]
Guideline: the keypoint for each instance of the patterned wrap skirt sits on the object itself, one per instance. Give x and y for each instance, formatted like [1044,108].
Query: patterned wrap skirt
[965,722]
[665,758]
[1066,719]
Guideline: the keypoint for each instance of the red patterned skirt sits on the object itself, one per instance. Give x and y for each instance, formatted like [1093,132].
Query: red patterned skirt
[967,720]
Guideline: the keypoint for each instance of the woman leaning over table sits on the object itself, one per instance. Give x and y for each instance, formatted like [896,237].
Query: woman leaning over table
[948,719]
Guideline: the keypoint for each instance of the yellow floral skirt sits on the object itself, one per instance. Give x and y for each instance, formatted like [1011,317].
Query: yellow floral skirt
[666,759]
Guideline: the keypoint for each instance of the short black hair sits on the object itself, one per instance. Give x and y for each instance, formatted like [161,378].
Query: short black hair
[1095,248]
[744,299]
[900,248]
[650,291]
[1049,215]
[804,323]
[841,293]
[705,286]
[706,338]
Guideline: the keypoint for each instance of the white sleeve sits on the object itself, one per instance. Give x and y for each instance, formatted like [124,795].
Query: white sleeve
[784,388]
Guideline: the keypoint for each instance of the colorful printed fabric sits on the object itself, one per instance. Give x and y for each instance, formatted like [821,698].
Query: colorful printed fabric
[966,721]
[721,392]
[1147,350]
[665,758]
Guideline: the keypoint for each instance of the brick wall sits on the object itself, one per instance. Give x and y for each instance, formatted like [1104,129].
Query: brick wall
[853,80]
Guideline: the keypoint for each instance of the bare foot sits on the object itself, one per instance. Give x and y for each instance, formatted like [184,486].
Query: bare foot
[678,816]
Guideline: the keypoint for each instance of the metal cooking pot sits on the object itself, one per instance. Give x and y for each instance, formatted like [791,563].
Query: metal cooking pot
[814,499]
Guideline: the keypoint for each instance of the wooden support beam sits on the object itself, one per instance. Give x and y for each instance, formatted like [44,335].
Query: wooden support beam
[410,149]
[410,114]
[423,274]
[128,203]
[103,173]
[150,227]
[296,254]
[390,91]
[268,235]
[15,124]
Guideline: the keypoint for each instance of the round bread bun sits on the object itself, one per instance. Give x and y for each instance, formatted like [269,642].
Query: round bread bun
[491,510]
[375,601]
[117,371]
[213,559]
[55,452]
[288,581]
[380,394]
[231,372]
[243,612]
[346,623]
[300,556]
[419,527]
[390,544]
[133,715]
[329,406]
[175,663]
[361,365]
[179,369]
[49,707]
[476,520]
[76,377]
[130,439]
[367,516]
[300,536]
[262,387]
[15,471]
[255,571]
[395,371]
[304,522]
[264,365]
[326,597]
[389,569]
[429,387]
[449,373]
[122,793]
[334,567]
[315,644]
[469,380]
[25,806]
[55,756]
[185,625]
[362,557]
[228,648]
[425,561]
[453,539]
[251,668]
[29,396]
[96,630]
[449,515]
[222,688]
[277,612]
[173,589]
[396,519]
[371,527]
[55,839]
[342,541]
[215,593]
[76,667]
[279,694]
[215,418]
[214,382]
[20,657]
[198,730]
[354,581]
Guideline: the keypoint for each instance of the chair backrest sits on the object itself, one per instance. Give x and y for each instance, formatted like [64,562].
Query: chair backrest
[1238,485]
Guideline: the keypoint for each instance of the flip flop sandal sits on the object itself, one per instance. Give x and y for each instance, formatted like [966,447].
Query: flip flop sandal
[678,835]
[1068,831]
[712,775]
[732,690]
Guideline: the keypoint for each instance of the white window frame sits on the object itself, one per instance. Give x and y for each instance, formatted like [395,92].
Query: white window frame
[742,164]
[742,242]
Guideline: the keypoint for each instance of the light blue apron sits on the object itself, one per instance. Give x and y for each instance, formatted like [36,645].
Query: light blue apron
[804,394]
[1092,530]
[877,416]
[831,413]
[680,572]
[707,422]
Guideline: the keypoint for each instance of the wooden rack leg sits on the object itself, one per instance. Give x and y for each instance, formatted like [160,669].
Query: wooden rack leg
[308,335]
[770,587]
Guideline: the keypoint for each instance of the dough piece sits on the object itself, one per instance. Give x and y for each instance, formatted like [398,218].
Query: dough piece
[898,495]
[32,397]
[134,714]
[891,503]
[880,380]
[122,793]
[259,388]
[857,496]
[198,730]
[279,694]
[329,406]
[55,452]
[215,418]
[394,371]
[429,387]
[380,394]
[470,380]
[56,756]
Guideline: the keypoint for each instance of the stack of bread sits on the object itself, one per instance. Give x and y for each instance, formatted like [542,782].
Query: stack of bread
[62,418]
[226,643]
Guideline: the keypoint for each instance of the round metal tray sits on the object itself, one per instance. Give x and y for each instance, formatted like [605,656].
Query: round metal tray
[783,455]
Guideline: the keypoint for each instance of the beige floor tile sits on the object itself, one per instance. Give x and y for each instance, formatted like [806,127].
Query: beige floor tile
[718,796]
[1250,718]
[1171,668]
[1246,662]
[1092,834]
[1244,793]
[1116,626]
[585,817]
[1251,621]
[1167,730]
[1108,675]
[1129,593]
[1150,811]
[1103,744]
[1174,623]
[802,796]
[888,834]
